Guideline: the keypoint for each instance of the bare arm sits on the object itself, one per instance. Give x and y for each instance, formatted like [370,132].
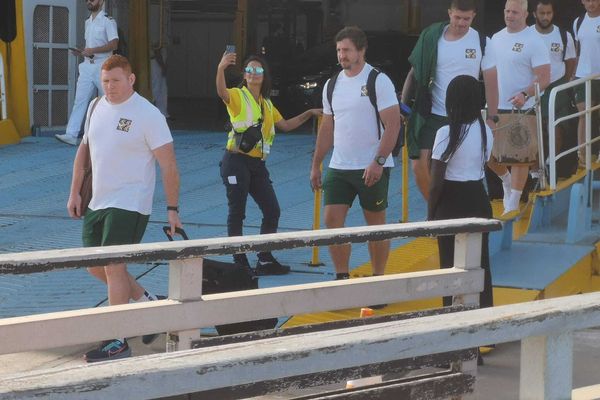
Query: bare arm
[436,184]
[110,46]
[570,67]
[165,155]
[74,202]
[287,125]
[324,143]
[227,60]
[542,76]
[391,119]
[408,90]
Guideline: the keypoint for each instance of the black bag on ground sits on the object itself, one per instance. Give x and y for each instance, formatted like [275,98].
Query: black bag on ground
[221,277]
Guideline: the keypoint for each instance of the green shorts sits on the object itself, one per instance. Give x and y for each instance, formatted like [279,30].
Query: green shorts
[342,186]
[564,99]
[426,136]
[580,92]
[112,226]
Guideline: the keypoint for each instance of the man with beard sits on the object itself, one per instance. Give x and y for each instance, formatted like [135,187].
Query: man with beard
[561,48]
[361,161]
[101,39]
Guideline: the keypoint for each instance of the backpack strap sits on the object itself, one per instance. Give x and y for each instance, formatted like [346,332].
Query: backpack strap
[482,42]
[330,87]
[563,37]
[373,96]
[577,26]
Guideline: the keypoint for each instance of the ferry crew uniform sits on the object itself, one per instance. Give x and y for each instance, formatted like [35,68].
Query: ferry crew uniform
[246,174]
[98,32]
[463,195]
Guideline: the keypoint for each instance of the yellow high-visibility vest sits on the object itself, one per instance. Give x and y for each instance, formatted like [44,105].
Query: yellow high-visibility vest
[249,115]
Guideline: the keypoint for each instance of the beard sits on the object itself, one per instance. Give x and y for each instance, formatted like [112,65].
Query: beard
[544,25]
[94,7]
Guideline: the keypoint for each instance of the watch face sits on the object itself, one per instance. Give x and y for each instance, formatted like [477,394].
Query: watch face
[380,160]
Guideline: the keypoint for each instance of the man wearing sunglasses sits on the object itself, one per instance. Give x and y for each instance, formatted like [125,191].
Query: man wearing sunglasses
[101,39]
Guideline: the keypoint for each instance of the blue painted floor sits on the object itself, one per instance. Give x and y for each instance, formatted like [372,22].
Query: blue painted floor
[35,179]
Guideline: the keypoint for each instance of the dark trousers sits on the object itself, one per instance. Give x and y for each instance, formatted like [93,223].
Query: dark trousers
[242,176]
[465,200]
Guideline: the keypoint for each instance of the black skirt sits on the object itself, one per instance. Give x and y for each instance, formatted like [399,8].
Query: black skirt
[466,199]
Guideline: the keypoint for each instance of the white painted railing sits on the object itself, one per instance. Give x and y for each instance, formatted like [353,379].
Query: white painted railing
[187,309]
[544,328]
[553,123]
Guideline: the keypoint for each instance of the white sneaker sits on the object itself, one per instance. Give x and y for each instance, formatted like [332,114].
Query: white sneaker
[70,140]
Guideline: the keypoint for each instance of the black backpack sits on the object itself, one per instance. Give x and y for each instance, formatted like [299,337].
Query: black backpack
[373,98]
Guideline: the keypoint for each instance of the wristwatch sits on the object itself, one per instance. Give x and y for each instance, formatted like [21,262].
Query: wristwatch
[525,95]
[380,160]
[494,118]
[173,208]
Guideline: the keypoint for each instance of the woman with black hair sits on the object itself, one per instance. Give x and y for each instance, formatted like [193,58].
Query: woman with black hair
[460,152]
[253,120]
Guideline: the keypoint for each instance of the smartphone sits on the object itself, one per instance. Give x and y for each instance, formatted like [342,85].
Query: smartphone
[230,48]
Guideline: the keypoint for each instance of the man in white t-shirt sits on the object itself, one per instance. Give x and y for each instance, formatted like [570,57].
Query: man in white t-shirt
[101,39]
[587,36]
[452,48]
[520,60]
[126,136]
[361,158]
[563,60]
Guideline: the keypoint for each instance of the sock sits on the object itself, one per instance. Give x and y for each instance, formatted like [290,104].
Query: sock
[342,275]
[513,202]
[534,174]
[146,297]
[506,188]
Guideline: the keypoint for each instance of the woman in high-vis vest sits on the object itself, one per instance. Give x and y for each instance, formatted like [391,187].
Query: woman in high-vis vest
[253,120]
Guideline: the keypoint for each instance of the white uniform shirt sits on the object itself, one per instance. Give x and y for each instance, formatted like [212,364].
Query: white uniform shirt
[454,58]
[355,135]
[99,31]
[515,55]
[555,47]
[466,164]
[589,42]
[122,138]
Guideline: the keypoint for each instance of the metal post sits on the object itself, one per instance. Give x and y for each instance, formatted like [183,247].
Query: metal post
[552,138]
[540,129]
[405,162]
[3,114]
[314,261]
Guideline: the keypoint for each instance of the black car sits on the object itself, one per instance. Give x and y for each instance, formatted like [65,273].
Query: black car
[300,85]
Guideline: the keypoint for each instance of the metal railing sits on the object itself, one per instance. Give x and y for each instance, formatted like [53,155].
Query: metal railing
[3,97]
[553,123]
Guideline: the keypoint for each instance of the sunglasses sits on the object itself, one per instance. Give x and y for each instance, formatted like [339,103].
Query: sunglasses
[254,70]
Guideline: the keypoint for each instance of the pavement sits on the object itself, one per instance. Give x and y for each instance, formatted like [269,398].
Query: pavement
[35,178]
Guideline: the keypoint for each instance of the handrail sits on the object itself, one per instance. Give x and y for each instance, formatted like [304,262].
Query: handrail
[553,122]
[40,261]
[545,328]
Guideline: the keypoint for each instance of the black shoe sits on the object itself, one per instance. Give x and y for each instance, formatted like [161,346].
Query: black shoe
[108,350]
[241,259]
[148,339]
[271,267]
[378,306]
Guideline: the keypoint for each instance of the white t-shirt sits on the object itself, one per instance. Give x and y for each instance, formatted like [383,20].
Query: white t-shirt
[99,31]
[466,164]
[122,138]
[355,135]
[589,41]
[454,58]
[515,55]
[555,47]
